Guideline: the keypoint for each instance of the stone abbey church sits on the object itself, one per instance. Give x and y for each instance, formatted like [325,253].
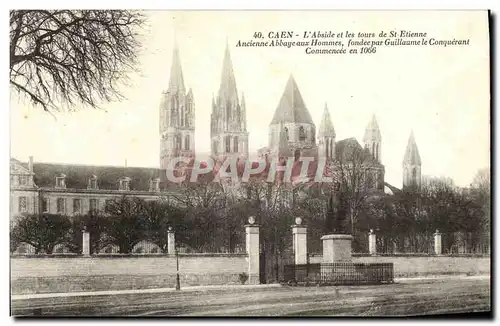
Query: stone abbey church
[71,189]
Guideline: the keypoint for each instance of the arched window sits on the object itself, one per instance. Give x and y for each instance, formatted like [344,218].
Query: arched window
[235,146]
[327,147]
[331,147]
[377,153]
[302,134]
[286,134]
[178,142]
[228,144]
[186,114]
[186,142]
[214,147]
[373,149]
[172,111]
[414,175]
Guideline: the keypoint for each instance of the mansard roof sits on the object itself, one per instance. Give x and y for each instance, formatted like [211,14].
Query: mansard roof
[77,176]
[291,107]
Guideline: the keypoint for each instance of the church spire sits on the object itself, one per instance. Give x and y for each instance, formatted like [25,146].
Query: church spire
[291,107]
[372,131]
[373,139]
[412,165]
[412,157]
[326,125]
[228,88]
[176,84]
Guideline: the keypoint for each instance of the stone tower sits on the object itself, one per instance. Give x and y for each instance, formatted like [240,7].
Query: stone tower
[412,165]
[292,122]
[228,125]
[373,139]
[326,136]
[177,113]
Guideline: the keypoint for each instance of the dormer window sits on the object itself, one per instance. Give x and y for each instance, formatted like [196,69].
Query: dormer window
[92,182]
[154,184]
[124,184]
[61,181]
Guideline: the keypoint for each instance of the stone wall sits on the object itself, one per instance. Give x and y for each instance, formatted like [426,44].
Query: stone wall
[45,274]
[416,266]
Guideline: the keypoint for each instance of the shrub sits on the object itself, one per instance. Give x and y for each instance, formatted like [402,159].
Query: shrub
[243,277]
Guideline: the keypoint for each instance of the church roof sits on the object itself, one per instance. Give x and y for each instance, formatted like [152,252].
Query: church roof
[346,148]
[291,107]
[176,83]
[412,157]
[326,126]
[372,131]
[228,90]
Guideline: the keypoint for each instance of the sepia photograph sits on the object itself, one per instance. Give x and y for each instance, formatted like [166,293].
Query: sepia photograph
[285,163]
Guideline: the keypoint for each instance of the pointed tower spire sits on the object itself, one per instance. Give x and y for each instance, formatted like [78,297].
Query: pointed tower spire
[326,125]
[326,136]
[291,107]
[372,131]
[373,139]
[176,84]
[412,165]
[228,88]
[412,156]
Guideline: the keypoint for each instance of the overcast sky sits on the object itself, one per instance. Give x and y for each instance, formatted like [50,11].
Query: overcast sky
[441,93]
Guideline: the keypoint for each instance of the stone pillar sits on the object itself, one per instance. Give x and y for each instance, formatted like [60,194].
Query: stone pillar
[85,243]
[337,248]
[170,241]
[253,251]
[372,243]
[437,243]
[299,242]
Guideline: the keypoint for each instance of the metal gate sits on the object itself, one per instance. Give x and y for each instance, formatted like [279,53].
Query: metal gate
[272,266]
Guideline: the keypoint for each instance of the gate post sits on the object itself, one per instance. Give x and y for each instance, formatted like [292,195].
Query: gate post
[372,243]
[85,243]
[170,241]
[253,251]
[437,243]
[299,242]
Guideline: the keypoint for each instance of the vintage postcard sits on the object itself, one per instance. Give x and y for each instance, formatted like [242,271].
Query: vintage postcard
[249,163]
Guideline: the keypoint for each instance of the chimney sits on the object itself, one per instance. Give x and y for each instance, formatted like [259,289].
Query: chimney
[30,164]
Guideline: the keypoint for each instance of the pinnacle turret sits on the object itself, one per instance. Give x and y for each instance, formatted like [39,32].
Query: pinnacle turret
[372,131]
[326,125]
[412,156]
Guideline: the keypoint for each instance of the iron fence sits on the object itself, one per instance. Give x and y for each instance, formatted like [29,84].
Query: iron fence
[340,273]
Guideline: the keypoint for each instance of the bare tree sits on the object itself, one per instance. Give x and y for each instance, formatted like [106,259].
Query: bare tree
[72,56]
[358,176]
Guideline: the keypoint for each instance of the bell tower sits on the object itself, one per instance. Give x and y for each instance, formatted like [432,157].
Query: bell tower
[177,114]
